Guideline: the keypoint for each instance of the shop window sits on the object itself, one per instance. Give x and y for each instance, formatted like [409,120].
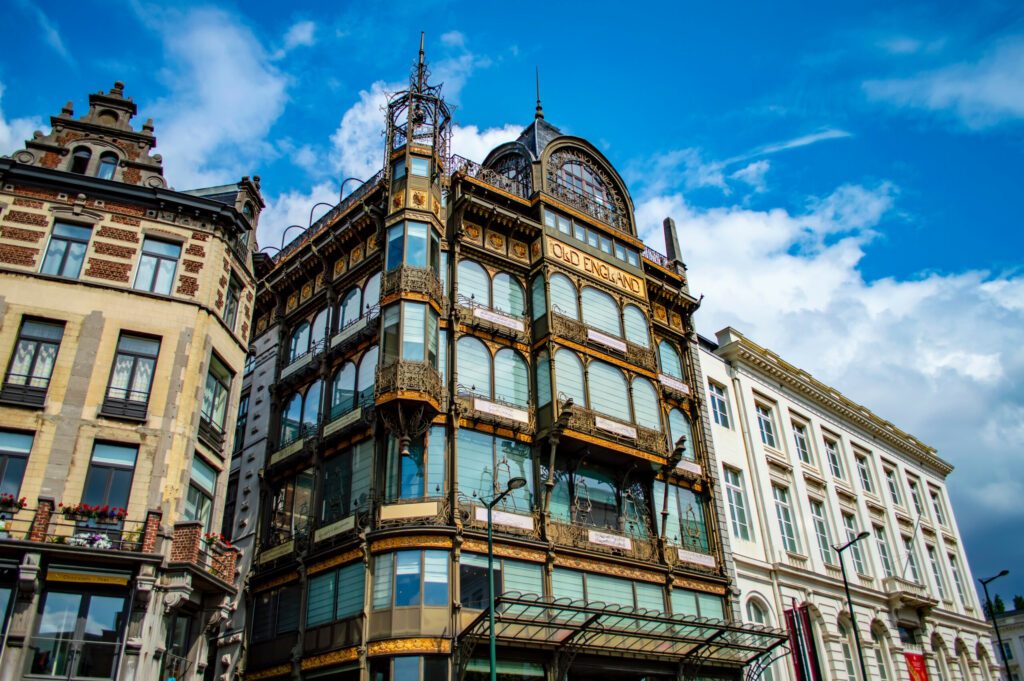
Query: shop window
[410,578]
[487,463]
[613,591]
[77,635]
[510,576]
[419,472]
[697,604]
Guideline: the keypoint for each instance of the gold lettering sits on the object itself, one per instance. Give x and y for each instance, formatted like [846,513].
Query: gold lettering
[596,268]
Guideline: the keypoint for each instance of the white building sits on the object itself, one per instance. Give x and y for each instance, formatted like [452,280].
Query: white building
[1011,628]
[804,468]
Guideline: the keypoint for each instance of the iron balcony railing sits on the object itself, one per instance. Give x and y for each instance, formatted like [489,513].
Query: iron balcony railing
[458,165]
[123,403]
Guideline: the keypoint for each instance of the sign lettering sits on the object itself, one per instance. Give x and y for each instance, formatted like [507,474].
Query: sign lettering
[596,268]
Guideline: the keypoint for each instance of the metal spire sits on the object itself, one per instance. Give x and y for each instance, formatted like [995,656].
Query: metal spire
[421,70]
[540,110]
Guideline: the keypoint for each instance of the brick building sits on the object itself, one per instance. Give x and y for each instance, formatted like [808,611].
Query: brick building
[447,333]
[124,318]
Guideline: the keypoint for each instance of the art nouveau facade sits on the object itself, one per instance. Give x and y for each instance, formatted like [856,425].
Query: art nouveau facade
[448,332]
[804,468]
[124,319]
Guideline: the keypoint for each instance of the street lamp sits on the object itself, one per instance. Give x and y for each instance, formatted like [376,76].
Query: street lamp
[995,622]
[849,599]
[513,484]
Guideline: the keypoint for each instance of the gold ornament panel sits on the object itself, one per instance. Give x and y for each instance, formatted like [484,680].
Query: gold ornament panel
[505,551]
[413,542]
[340,559]
[409,646]
[333,657]
[606,568]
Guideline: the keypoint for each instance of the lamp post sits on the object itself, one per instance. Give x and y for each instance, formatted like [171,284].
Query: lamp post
[513,484]
[995,622]
[849,599]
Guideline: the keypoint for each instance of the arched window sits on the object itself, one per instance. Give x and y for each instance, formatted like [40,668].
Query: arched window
[645,404]
[882,655]
[474,284]
[607,389]
[299,343]
[108,164]
[371,292]
[80,160]
[636,326]
[511,378]
[600,311]
[678,426]
[671,365]
[563,297]
[367,374]
[583,180]
[311,405]
[847,647]
[569,377]
[543,371]
[247,211]
[321,324]
[474,366]
[758,614]
[343,393]
[508,295]
[291,420]
[537,297]
[350,308]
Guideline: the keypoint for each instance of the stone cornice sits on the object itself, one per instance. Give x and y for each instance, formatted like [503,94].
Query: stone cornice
[741,350]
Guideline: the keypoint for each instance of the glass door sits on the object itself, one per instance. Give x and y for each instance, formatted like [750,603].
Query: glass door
[78,636]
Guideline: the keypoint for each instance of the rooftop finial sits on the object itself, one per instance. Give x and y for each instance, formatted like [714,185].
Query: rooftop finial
[421,79]
[540,109]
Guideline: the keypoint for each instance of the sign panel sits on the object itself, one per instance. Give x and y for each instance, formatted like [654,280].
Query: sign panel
[685,465]
[612,540]
[696,558]
[498,318]
[502,410]
[584,262]
[916,666]
[608,341]
[674,383]
[328,531]
[615,427]
[523,522]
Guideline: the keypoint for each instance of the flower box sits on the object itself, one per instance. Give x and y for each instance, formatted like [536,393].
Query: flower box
[105,514]
[11,504]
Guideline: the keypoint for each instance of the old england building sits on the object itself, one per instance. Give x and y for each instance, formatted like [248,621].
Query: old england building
[124,321]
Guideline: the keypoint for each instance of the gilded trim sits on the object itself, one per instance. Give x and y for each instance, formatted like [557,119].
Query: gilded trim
[283,579]
[685,583]
[84,578]
[609,569]
[413,542]
[279,670]
[660,460]
[333,657]
[505,551]
[407,646]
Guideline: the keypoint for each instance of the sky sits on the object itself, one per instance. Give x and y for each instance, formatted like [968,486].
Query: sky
[845,177]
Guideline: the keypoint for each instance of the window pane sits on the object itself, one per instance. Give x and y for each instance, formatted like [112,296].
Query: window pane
[645,404]
[636,326]
[679,426]
[351,585]
[609,590]
[671,365]
[650,597]
[389,335]
[474,284]
[474,366]
[607,387]
[538,299]
[435,578]
[350,308]
[413,331]
[511,378]
[371,292]
[416,244]
[508,295]
[567,583]
[684,602]
[50,650]
[396,241]
[524,578]
[114,454]
[204,475]
[320,599]
[436,461]
[476,464]
[563,297]
[344,390]
[366,376]
[569,377]
[407,578]
[543,378]
[147,271]
[420,167]
[600,311]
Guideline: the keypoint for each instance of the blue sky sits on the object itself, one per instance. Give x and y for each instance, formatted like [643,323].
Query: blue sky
[845,179]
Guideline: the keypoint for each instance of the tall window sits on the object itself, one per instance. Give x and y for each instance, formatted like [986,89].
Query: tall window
[834,462]
[109,479]
[366,376]
[350,308]
[157,266]
[850,523]
[201,489]
[419,472]
[894,486]
[737,503]
[635,323]
[66,251]
[844,639]
[600,311]
[759,615]
[719,404]
[509,575]
[335,595]
[766,425]
[915,573]
[14,451]
[231,300]
[958,582]
[132,376]
[508,295]
[883,551]
[474,366]
[276,612]
[412,243]
[215,394]
[474,284]
[108,165]
[563,297]
[915,497]
[291,511]
[802,442]
[243,418]
[784,513]
[487,463]
[511,378]
[405,578]
[409,333]
[881,656]
[34,354]
[685,523]
[608,387]
[864,471]
[671,365]
[821,531]
[679,426]
[78,635]
[301,415]
[298,344]
[646,409]
[569,377]
[343,391]
[940,513]
[933,560]
[346,483]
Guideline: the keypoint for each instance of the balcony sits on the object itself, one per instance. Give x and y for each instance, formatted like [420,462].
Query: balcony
[525,523]
[206,556]
[211,434]
[581,334]
[24,391]
[356,331]
[345,419]
[693,555]
[416,280]
[463,166]
[420,511]
[604,540]
[131,405]
[501,324]
[296,369]
[604,212]
[293,444]
[72,529]
[408,380]
[482,409]
[592,424]
[904,593]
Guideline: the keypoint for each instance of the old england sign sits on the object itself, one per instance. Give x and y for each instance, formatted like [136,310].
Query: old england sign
[588,264]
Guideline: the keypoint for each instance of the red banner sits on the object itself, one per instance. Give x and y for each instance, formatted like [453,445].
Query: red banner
[916,666]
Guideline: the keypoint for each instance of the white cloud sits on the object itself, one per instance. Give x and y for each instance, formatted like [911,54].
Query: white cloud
[802,141]
[941,356]
[224,97]
[358,143]
[293,208]
[14,132]
[981,93]
[49,31]
[472,143]
[300,34]
[753,174]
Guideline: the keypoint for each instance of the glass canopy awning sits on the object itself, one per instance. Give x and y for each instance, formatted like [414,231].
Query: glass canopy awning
[596,628]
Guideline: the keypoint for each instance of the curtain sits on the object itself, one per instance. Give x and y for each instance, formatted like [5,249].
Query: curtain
[511,378]
[608,391]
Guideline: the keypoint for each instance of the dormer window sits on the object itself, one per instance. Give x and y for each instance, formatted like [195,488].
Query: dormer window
[108,164]
[247,211]
[583,180]
[80,160]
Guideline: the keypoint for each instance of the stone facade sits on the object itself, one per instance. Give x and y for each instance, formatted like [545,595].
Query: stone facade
[812,469]
[107,401]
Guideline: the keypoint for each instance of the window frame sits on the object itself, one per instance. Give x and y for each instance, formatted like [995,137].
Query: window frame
[892,481]
[785,516]
[107,469]
[735,492]
[834,456]
[802,442]
[766,424]
[718,396]
[392,589]
[232,302]
[67,240]
[159,260]
[25,392]
[126,406]
[822,531]
[9,453]
[224,385]
[196,489]
[864,473]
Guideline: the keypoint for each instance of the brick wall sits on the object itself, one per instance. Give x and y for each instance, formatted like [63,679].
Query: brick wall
[108,269]
[25,218]
[119,234]
[19,234]
[151,532]
[186,542]
[18,255]
[41,521]
[188,286]
[103,248]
